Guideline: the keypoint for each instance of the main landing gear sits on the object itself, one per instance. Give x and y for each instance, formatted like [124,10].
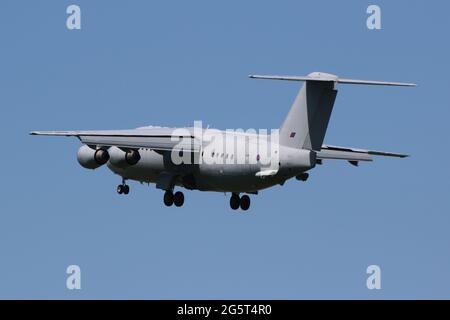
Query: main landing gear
[236,202]
[302,177]
[171,198]
[123,188]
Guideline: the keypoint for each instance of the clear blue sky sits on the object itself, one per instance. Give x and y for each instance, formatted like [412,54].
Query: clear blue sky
[172,62]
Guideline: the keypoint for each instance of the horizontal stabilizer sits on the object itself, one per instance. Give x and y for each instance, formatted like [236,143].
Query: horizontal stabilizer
[343,155]
[353,154]
[326,77]
[370,152]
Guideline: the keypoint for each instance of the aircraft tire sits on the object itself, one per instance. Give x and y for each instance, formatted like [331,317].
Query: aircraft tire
[235,202]
[168,198]
[245,202]
[178,198]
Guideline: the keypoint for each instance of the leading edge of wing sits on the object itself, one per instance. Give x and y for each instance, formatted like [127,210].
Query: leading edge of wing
[152,139]
[140,132]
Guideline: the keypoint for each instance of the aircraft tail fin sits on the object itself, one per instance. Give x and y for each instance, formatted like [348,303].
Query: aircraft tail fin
[307,121]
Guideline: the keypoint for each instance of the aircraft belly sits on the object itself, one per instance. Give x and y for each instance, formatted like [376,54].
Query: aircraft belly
[208,177]
[232,178]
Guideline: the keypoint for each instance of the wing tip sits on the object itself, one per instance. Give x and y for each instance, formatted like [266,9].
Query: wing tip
[34,133]
[53,133]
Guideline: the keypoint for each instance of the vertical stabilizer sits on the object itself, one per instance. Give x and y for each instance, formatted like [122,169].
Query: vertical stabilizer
[307,121]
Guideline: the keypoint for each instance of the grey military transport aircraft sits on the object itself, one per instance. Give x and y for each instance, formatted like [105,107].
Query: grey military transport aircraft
[237,162]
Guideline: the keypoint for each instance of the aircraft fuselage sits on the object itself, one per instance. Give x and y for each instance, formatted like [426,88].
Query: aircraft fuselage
[220,170]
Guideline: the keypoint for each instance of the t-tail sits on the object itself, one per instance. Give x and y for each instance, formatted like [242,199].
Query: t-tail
[307,121]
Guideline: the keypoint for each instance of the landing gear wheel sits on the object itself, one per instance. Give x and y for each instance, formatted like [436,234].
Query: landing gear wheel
[235,201]
[168,198]
[245,202]
[178,198]
[123,189]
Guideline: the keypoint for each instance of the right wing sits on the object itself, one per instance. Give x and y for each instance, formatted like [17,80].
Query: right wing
[163,139]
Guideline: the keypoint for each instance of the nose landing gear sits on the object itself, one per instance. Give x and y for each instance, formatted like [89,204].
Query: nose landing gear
[123,188]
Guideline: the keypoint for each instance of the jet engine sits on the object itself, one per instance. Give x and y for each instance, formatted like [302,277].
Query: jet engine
[90,158]
[123,159]
[297,160]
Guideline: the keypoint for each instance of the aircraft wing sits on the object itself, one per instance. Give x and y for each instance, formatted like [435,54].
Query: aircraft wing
[164,139]
[353,154]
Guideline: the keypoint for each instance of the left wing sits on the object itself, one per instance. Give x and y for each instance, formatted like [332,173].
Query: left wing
[164,139]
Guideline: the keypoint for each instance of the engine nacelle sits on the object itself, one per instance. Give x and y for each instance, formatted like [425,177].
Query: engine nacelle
[123,159]
[90,158]
[297,160]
